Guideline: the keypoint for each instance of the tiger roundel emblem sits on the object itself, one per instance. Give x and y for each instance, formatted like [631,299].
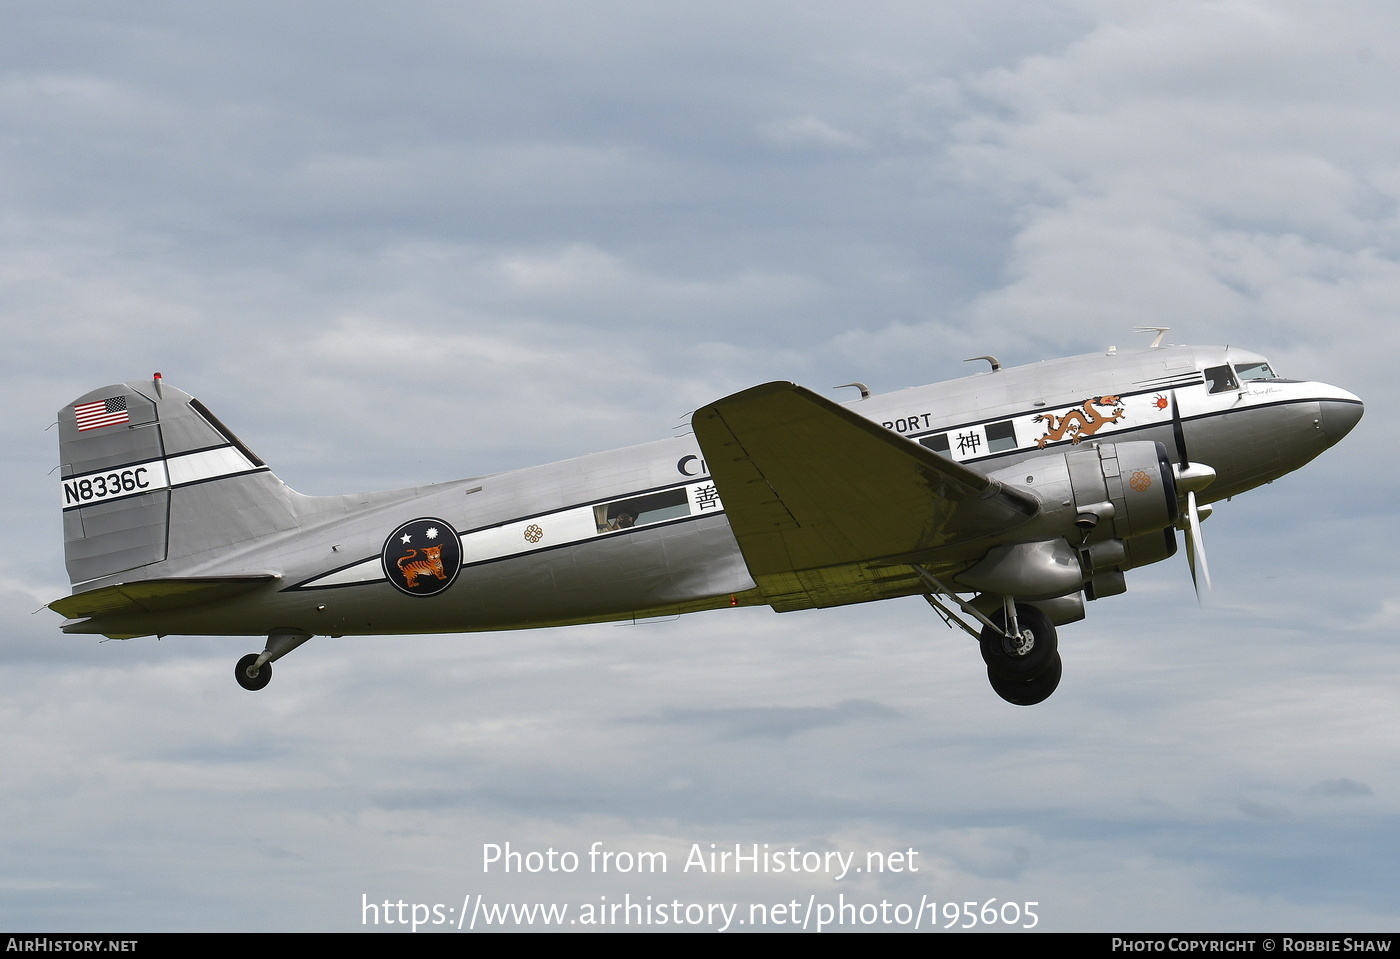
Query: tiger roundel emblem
[422,557]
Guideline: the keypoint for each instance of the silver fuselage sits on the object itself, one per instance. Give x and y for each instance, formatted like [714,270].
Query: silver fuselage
[640,532]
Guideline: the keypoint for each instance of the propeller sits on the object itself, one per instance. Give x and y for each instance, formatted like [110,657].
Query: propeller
[1192,477]
[1196,548]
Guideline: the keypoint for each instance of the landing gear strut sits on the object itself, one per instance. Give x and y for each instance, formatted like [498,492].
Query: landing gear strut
[1022,649]
[1018,643]
[254,671]
[1023,663]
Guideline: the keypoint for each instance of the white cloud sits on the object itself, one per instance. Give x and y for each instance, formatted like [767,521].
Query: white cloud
[810,131]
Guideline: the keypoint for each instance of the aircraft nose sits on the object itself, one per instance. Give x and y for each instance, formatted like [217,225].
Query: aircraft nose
[1339,416]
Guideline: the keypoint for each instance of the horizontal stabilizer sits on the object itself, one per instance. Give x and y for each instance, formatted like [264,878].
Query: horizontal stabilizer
[154,594]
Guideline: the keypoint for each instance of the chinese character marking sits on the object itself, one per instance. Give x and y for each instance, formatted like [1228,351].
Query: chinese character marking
[968,442]
[707,497]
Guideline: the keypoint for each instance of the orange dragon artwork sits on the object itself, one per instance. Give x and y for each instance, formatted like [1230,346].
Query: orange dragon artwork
[1078,424]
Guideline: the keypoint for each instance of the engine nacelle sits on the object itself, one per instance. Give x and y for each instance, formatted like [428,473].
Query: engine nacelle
[1133,480]
[1105,508]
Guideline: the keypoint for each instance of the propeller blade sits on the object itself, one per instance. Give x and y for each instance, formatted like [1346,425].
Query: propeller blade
[1196,548]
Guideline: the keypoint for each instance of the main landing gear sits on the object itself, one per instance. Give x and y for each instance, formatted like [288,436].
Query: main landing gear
[254,671]
[1023,663]
[1018,643]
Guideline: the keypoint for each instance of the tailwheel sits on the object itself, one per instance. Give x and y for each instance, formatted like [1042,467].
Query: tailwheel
[1023,652]
[251,676]
[280,642]
[1027,692]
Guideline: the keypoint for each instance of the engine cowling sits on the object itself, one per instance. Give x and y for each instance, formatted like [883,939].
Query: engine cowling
[1134,480]
[1105,508]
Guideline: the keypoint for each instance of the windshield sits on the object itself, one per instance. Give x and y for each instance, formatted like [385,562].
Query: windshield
[1255,371]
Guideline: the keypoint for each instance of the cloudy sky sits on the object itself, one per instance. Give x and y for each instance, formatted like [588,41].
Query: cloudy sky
[574,223]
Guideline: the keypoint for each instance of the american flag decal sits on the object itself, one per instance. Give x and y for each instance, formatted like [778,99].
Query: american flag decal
[108,412]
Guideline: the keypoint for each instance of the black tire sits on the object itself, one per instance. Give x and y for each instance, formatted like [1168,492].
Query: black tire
[1028,692]
[1023,660]
[240,673]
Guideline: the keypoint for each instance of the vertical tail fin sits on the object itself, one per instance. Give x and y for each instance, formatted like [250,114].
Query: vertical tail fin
[151,476]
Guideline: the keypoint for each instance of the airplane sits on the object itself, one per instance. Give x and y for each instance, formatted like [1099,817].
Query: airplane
[1007,499]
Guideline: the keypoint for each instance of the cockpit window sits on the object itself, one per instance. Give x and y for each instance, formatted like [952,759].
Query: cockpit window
[1219,379]
[1255,371]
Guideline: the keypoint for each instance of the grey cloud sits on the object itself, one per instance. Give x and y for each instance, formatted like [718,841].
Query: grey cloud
[297,212]
[1341,788]
[774,721]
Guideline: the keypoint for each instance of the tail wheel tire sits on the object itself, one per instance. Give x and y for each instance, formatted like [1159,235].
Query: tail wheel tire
[254,682]
[1028,692]
[1022,657]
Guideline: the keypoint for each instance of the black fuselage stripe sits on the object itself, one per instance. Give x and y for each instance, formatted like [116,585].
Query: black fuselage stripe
[299,587]
[1109,437]
[1017,415]
[1176,425]
[524,519]
[589,503]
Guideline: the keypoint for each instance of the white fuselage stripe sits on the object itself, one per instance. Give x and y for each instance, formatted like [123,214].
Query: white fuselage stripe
[566,527]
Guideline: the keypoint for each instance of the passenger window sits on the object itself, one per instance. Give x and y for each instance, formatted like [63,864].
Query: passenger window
[938,442]
[641,511]
[1220,379]
[1001,436]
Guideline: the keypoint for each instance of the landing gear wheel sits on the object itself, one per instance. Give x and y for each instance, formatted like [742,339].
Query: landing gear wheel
[1021,657]
[1027,692]
[256,681]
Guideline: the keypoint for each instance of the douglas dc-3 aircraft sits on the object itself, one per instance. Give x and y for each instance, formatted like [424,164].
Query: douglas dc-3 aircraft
[1006,499]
